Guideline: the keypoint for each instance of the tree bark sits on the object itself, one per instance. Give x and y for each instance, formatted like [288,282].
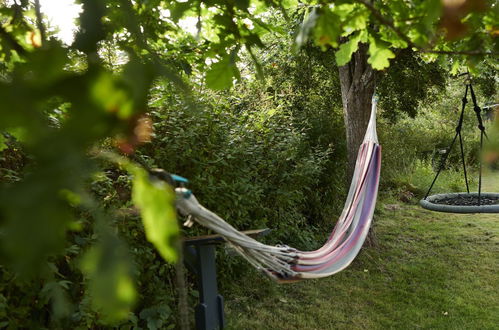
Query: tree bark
[357,80]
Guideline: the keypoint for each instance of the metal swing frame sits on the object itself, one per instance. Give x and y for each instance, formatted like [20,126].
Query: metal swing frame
[430,202]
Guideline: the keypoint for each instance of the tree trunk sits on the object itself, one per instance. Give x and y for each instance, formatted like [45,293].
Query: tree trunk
[357,80]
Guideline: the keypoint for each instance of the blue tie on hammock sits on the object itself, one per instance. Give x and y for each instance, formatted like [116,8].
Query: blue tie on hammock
[287,264]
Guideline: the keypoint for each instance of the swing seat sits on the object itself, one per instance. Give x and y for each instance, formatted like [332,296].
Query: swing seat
[462,203]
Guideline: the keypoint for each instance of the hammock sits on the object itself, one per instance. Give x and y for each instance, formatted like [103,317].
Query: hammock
[284,263]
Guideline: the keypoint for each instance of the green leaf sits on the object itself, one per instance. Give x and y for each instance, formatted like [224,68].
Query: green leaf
[220,75]
[346,50]
[3,144]
[327,30]
[258,66]
[353,17]
[92,28]
[379,54]
[417,36]
[432,10]
[242,4]
[179,9]
[156,202]
[286,4]
[54,292]
[388,35]
[20,133]
[456,66]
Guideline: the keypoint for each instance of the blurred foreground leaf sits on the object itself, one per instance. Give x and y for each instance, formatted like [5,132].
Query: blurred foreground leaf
[156,202]
[111,287]
[221,74]
[155,199]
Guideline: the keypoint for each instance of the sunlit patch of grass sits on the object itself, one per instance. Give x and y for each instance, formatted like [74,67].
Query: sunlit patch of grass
[431,270]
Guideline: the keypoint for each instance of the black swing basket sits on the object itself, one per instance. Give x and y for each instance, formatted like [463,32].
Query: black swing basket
[463,202]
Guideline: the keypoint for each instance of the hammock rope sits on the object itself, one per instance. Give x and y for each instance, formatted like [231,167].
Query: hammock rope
[284,263]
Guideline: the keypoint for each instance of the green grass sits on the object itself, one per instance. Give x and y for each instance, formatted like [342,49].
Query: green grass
[430,270]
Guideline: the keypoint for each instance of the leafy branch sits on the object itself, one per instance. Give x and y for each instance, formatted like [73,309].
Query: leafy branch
[389,23]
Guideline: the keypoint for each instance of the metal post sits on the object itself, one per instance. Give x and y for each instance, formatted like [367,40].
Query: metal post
[210,310]
[199,257]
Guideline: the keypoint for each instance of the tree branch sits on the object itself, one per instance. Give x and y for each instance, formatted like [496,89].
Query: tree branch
[13,43]
[39,21]
[456,52]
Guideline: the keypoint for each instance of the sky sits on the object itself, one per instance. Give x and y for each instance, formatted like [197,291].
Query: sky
[62,13]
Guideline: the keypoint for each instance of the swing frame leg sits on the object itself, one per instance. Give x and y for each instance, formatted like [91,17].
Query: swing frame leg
[209,313]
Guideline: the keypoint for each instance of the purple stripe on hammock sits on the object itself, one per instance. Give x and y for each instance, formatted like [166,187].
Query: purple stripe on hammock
[325,249]
[354,203]
[365,218]
[355,236]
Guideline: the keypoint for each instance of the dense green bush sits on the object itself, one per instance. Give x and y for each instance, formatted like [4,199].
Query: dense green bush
[256,168]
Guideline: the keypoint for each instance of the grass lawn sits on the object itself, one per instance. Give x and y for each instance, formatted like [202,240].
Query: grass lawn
[430,270]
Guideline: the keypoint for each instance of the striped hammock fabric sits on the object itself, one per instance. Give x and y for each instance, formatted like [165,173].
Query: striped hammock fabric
[284,263]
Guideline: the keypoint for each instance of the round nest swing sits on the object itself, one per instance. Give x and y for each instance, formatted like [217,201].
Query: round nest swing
[464,202]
